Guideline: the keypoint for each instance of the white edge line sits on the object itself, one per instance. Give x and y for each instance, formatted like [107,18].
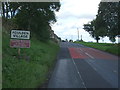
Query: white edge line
[79,73]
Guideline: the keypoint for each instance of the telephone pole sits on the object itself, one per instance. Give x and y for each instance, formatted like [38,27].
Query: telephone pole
[81,37]
[78,33]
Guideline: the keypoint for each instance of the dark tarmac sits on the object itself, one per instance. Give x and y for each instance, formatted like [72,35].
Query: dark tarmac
[79,66]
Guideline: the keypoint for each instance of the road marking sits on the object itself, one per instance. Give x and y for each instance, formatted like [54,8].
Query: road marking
[89,62]
[81,50]
[79,73]
[114,71]
[90,56]
[94,68]
[75,53]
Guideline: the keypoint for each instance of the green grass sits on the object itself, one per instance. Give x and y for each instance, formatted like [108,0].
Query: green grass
[107,47]
[31,70]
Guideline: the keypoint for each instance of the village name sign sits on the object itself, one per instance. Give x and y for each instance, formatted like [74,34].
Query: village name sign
[20,39]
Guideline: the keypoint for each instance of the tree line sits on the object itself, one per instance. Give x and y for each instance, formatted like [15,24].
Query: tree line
[106,22]
[36,17]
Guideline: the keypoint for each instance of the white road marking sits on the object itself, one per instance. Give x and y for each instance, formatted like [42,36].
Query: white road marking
[89,62]
[79,74]
[90,56]
[81,50]
[114,71]
[94,68]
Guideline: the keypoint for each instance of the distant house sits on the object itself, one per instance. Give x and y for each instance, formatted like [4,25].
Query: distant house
[54,36]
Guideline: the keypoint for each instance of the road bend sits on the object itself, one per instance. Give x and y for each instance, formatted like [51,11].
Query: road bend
[79,66]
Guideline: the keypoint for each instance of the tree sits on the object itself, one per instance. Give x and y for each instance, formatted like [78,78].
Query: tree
[106,22]
[9,9]
[90,27]
[3,10]
[34,16]
[13,7]
[108,14]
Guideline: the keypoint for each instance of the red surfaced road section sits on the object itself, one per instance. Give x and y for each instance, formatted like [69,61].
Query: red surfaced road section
[80,53]
[99,54]
[75,54]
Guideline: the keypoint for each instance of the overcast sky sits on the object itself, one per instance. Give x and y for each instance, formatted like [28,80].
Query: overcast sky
[72,15]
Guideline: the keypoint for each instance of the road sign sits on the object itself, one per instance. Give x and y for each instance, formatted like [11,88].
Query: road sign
[20,43]
[18,34]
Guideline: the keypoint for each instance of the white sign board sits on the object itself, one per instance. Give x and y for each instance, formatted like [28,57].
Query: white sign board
[17,34]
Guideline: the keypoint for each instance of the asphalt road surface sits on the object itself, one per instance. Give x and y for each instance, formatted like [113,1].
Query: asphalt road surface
[79,66]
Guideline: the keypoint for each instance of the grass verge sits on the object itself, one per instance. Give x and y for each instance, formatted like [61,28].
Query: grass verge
[30,71]
[107,47]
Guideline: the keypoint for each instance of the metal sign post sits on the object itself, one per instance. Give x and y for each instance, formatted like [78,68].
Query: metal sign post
[19,52]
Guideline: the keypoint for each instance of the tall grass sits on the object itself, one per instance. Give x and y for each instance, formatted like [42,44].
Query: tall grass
[31,69]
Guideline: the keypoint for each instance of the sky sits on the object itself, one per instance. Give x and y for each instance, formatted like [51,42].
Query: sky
[73,14]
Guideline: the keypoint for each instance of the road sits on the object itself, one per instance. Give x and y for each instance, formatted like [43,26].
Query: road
[79,66]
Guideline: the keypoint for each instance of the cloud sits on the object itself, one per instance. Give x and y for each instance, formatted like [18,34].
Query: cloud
[69,15]
[72,15]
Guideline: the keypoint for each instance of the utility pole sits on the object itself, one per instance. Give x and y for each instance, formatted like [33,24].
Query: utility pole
[81,37]
[71,37]
[78,33]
